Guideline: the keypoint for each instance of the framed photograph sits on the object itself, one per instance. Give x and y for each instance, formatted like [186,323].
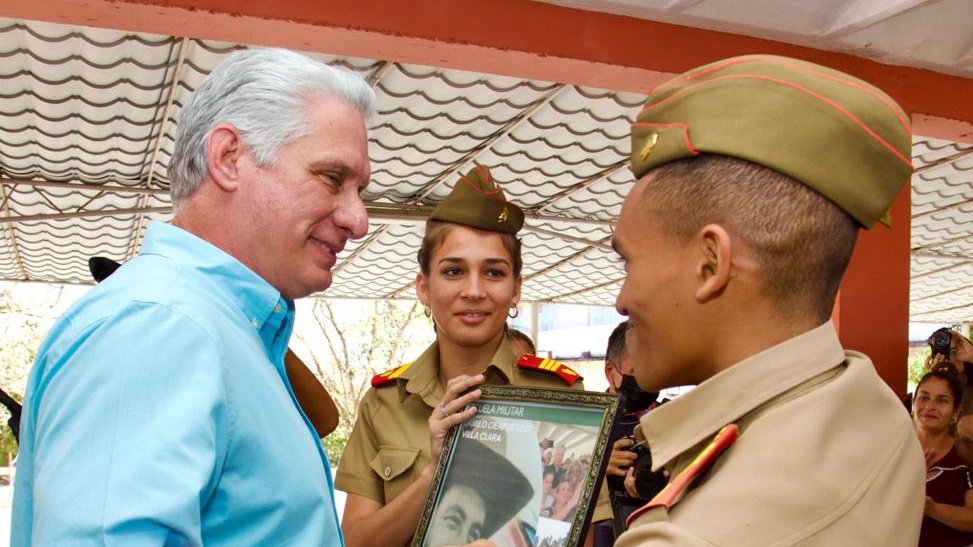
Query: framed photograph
[523,472]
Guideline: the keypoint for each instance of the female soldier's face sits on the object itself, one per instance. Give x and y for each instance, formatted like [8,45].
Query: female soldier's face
[470,287]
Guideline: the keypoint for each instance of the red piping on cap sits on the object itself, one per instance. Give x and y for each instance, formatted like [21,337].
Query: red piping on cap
[685,132]
[802,89]
[486,176]
[789,63]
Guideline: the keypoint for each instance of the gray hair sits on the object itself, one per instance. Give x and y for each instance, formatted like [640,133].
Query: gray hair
[264,94]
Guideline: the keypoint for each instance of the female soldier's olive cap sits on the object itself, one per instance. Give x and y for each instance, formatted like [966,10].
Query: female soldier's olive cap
[839,135]
[477,201]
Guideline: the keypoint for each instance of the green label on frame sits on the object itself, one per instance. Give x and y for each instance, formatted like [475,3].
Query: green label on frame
[543,413]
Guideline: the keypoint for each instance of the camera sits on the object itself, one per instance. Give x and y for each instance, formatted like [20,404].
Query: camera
[647,483]
[939,341]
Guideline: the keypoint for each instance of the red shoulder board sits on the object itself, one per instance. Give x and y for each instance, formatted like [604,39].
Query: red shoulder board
[388,376]
[673,491]
[562,371]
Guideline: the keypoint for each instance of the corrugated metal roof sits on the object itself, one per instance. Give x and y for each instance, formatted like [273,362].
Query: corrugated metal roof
[88,116]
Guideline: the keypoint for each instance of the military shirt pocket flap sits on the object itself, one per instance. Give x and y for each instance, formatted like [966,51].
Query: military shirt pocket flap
[391,461]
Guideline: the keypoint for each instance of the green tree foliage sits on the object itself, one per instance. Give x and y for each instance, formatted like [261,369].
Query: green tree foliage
[917,366]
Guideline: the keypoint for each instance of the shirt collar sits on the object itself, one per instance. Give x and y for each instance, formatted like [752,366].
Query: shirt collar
[270,314]
[422,376]
[680,424]
[502,364]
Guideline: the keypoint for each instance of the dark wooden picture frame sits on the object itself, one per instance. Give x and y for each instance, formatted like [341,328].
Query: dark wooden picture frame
[524,472]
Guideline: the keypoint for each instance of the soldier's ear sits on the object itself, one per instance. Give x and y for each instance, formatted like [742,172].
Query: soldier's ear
[714,259]
[422,289]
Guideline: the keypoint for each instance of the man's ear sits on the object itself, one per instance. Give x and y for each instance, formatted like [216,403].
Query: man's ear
[224,149]
[715,260]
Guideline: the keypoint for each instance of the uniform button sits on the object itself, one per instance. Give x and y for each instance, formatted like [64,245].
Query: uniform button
[388,471]
[277,308]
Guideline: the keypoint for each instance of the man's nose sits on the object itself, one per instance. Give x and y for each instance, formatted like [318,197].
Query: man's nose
[352,217]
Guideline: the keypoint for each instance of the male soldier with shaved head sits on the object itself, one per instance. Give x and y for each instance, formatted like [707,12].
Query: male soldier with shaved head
[755,175]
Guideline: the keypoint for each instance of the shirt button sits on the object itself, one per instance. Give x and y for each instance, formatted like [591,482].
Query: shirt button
[255,323]
[388,471]
[277,308]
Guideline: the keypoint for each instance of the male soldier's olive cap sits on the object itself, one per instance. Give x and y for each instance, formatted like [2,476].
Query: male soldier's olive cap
[477,201]
[839,135]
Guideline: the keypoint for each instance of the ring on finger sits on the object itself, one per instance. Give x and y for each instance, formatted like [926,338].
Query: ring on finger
[442,408]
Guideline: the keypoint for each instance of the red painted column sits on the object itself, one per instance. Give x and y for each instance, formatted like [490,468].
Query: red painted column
[872,310]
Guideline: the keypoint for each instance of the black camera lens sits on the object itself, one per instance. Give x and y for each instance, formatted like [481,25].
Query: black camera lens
[647,483]
[939,342]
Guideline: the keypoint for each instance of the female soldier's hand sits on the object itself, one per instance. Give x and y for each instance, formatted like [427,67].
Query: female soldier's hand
[453,410]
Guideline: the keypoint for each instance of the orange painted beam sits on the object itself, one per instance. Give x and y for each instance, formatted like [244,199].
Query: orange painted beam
[510,37]
[943,128]
[872,310]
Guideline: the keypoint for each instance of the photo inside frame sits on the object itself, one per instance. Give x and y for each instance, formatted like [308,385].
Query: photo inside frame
[519,474]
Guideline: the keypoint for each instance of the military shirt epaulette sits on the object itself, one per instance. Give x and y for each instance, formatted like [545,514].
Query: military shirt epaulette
[551,366]
[388,376]
[674,490]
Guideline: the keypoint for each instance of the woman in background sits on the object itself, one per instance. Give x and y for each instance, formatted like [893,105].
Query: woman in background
[948,519]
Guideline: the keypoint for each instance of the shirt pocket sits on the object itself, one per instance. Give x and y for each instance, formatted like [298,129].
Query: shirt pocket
[396,467]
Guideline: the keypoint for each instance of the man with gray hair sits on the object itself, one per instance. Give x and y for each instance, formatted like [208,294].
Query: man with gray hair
[158,411]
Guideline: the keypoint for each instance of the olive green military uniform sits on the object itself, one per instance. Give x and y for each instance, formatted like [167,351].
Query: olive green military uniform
[389,445]
[826,455]
[824,452]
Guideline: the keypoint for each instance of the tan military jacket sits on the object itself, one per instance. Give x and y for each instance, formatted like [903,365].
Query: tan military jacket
[826,455]
[603,506]
[389,445]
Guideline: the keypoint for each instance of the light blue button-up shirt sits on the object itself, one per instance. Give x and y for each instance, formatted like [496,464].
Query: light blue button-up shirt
[158,412]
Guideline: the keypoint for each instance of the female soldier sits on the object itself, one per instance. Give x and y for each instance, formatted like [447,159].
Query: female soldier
[469,279]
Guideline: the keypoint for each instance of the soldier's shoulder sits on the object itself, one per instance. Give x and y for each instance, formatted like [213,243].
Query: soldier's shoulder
[679,484]
[388,377]
[544,365]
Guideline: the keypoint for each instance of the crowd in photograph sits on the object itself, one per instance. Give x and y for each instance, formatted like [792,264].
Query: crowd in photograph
[563,480]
